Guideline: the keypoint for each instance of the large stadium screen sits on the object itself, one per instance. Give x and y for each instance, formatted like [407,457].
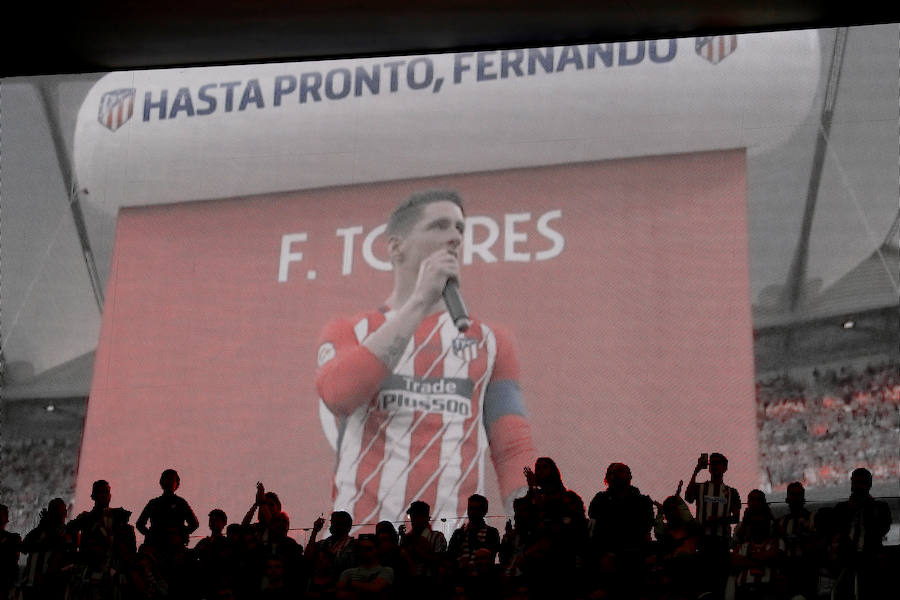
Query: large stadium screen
[603,257]
[263,316]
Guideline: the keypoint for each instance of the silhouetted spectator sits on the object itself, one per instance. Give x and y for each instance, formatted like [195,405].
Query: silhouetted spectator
[678,535]
[279,542]
[757,558]
[621,516]
[369,580]
[756,503]
[250,559]
[621,520]
[796,532]
[551,560]
[49,548]
[288,551]
[861,523]
[234,533]
[268,504]
[9,554]
[545,486]
[164,513]
[178,566]
[825,552]
[425,549]
[545,492]
[718,507]
[275,585]
[474,535]
[573,542]
[148,582]
[485,581]
[322,584]
[217,522]
[390,555]
[214,554]
[106,547]
[388,528]
[518,536]
[339,548]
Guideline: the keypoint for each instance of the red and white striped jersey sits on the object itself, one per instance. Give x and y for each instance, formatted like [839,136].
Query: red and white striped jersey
[418,432]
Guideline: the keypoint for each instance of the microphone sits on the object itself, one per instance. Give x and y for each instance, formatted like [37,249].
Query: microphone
[455,305]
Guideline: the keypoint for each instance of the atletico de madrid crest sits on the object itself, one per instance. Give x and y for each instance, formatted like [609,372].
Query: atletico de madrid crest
[465,348]
[116,107]
[715,48]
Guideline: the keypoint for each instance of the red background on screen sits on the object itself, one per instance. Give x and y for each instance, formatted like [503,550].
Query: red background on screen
[635,341]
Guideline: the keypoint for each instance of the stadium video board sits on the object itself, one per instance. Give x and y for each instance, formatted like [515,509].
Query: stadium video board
[603,255]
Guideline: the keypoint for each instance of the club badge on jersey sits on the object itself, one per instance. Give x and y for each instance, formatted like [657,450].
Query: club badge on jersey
[465,348]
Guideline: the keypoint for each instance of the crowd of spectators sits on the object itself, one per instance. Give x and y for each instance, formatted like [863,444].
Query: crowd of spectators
[817,428]
[623,545]
[32,470]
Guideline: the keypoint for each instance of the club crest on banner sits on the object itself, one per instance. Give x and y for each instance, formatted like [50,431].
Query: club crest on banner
[465,348]
[116,107]
[715,48]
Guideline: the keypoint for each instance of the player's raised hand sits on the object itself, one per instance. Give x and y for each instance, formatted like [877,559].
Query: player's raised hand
[434,271]
[260,492]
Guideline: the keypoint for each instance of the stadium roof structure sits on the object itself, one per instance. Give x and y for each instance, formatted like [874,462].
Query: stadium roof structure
[57,382]
[872,284]
[108,35]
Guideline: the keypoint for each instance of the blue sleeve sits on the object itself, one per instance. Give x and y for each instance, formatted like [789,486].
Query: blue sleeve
[502,398]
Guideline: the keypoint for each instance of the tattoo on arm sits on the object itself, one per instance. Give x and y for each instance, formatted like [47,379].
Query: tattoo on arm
[394,351]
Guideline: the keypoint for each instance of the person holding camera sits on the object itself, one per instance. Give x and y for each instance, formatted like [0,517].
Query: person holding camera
[718,507]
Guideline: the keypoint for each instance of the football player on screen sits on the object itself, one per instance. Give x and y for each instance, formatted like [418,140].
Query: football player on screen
[414,407]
